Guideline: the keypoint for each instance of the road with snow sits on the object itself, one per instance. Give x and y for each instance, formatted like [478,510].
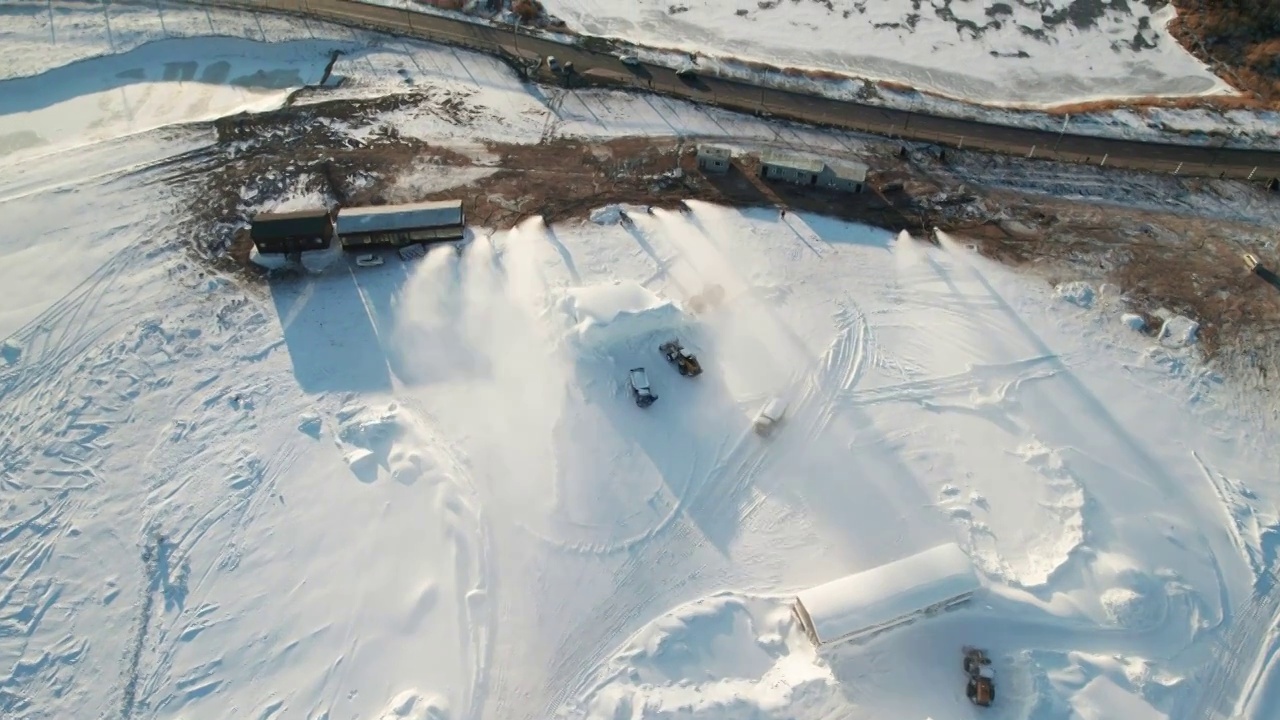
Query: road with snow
[603,68]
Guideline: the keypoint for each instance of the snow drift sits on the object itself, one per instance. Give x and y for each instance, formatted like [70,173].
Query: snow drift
[618,313]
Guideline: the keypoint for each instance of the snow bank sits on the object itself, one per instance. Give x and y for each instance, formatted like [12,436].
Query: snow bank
[881,597]
[1103,699]
[1177,330]
[617,312]
[729,657]
[1078,293]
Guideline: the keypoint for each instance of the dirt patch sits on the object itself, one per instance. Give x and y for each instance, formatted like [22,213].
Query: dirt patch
[1176,258]
[1238,39]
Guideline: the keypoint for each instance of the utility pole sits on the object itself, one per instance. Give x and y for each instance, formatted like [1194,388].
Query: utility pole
[1062,132]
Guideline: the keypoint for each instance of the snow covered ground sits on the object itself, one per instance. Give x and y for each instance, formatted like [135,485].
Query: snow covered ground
[40,37]
[1041,53]
[422,488]
[422,491]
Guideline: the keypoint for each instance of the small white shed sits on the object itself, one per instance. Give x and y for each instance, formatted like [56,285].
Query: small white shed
[886,596]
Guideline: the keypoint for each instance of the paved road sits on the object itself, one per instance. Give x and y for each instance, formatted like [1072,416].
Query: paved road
[602,68]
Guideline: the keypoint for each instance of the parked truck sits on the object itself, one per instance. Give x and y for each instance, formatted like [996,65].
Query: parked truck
[641,391]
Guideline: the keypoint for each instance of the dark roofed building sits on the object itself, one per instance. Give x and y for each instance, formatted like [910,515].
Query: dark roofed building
[400,225]
[291,232]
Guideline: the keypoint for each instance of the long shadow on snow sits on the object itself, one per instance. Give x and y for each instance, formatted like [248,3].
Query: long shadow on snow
[424,350]
[331,339]
[35,92]
[685,433]
[826,474]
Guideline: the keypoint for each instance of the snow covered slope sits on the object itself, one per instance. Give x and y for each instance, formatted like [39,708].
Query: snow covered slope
[1035,53]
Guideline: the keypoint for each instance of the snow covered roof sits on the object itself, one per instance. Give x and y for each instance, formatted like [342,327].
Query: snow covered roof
[880,596]
[793,162]
[715,151]
[388,218]
[848,170]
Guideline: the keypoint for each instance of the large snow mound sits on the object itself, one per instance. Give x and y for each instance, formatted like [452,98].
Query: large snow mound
[729,656]
[617,312]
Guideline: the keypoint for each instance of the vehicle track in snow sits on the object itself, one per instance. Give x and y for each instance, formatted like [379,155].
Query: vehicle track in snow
[1233,657]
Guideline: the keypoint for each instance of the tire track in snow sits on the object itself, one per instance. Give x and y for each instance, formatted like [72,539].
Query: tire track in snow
[478,606]
[1255,611]
[977,377]
[1234,655]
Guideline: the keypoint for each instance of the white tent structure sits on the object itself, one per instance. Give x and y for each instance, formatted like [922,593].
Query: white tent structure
[887,596]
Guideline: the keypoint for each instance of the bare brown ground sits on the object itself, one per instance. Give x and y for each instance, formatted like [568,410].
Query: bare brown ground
[1238,39]
[1189,264]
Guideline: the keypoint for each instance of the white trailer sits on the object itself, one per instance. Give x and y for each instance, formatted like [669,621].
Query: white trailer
[884,597]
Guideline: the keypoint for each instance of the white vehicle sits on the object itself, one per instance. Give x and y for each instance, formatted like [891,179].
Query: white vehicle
[629,59]
[369,260]
[769,416]
[1251,262]
[553,64]
[641,391]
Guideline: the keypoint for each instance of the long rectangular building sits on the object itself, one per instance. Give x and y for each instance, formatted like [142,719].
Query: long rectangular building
[884,597]
[400,225]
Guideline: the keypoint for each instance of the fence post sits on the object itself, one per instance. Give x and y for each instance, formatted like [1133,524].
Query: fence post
[1104,159]
[1032,153]
[961,147]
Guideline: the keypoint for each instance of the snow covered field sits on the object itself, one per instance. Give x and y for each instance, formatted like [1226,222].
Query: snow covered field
[41,37]
[422,491]
[1041,53]
[422,488]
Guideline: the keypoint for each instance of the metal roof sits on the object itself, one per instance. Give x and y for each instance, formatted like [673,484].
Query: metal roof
[848,170]
[389,218]
[277,226]
[717,151]
[794,162]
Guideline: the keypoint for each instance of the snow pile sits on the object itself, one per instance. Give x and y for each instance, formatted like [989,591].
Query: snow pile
[618,313]
[1103,699]
[1078,293]
[1176,331]
[729,656]
[607,215]
[1134,322]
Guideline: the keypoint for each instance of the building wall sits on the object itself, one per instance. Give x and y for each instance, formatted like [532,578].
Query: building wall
[800,177]
[403,237]
[839,183]
[713,164]
[292,244]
